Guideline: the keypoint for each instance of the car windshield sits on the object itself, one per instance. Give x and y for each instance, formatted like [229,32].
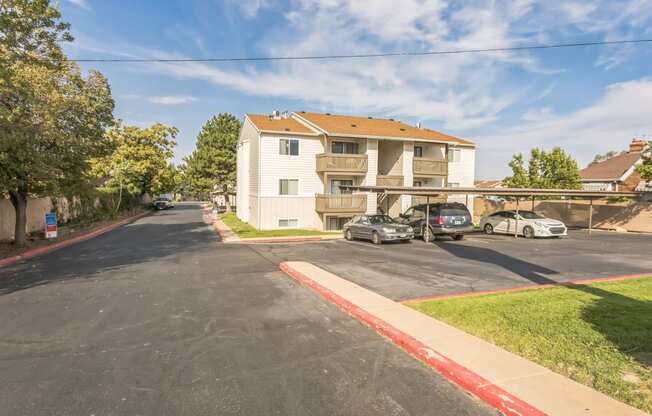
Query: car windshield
[381,219]
[529,215]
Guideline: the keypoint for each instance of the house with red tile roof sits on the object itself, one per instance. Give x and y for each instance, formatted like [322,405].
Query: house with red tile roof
[291,167]
[617,173]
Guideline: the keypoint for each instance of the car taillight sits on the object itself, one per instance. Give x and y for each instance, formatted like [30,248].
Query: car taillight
[439,220]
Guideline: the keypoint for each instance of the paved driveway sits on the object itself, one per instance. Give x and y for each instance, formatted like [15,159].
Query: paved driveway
[405,271]
[159,318]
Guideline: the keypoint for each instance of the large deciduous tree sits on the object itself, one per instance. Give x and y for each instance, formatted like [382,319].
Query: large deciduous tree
[212,166]
[52,120]
[555,169]
[139,163]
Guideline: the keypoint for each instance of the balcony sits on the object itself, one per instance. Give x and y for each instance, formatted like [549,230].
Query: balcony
[422,166]
[342,203]
[418,200]
[389,180]
[342,163]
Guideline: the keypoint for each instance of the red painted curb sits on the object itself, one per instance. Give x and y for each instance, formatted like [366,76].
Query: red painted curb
[528,287]
[466,379]
[52,247]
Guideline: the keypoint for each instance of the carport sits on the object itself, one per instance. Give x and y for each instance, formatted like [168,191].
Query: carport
[516,193]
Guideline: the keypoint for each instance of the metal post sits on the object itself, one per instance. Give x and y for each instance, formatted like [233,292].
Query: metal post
[467,200]
[516,217]
[590,215]
[426,230]
[532,203]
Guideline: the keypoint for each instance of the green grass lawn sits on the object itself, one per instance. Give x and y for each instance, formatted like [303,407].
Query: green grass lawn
[244,230]
[599,334]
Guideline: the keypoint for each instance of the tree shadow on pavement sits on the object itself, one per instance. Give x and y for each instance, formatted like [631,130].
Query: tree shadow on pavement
[530,271]
[133,244]
[624,321]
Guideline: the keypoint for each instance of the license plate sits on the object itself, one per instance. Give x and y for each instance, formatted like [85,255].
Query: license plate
[458,222]
[403,235]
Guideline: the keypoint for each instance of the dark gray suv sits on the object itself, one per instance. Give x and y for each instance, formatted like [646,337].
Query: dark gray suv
[448,218]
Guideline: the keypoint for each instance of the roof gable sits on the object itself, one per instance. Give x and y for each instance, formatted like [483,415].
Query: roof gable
[286,125]
[611,169]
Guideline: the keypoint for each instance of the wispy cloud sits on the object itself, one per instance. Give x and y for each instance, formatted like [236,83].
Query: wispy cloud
[83,4]
[623,112]
[171,99]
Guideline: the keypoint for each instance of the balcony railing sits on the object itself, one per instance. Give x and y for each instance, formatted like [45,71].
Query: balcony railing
[389,180]
[418,200]
[342,163]
[422,166]
[341,203]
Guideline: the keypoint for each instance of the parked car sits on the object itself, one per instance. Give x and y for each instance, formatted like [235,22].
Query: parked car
[448,218]
[530,224]
[163,203]
[377,228]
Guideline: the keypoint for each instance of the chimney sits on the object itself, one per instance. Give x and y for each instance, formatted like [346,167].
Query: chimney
[637,146]
[418,124]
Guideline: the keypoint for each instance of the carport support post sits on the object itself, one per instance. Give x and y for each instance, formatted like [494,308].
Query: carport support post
[590,215]
[516,216]
[426,230]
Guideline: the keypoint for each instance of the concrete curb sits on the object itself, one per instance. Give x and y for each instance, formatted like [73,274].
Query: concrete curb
[528,287]
[471,382]
[83,237]
[223,229]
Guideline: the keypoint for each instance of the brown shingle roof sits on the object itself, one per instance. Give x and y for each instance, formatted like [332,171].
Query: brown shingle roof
[341,125]
[610,169]
[281,125]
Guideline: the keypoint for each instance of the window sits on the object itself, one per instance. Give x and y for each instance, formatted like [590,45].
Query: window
[454,155]
[336,183]
[288,187]
[453,184]
[344,148]
[418,151]
[337,223]
[417,183]
[288,222]
[289,147]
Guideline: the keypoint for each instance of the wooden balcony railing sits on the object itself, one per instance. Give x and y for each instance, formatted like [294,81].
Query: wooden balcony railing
[389,180]
[422,166]
[418,200]
[341,203]
[342,163]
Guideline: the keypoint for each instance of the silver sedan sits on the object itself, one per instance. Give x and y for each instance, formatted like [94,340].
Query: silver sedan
[530,224]
[378,229]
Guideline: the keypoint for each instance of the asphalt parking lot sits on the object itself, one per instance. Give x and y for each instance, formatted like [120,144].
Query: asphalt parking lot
[478,263]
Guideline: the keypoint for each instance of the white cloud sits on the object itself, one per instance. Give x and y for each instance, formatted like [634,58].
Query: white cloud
[249,8]
[623,112]
[171,99]
[81,4]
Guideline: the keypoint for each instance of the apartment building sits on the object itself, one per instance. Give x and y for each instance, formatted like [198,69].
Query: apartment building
[291,166]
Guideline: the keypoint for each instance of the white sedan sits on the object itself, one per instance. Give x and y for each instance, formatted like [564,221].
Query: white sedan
[530,224]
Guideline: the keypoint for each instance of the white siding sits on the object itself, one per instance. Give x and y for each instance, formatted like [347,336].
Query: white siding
[408,178]
[273,167]
[246,180]
[463,172]
[372,172]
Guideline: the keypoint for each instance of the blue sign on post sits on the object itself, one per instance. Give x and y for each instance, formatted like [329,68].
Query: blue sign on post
[51,225]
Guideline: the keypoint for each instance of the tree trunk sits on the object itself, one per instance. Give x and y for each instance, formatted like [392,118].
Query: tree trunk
[227,202]
[19,201]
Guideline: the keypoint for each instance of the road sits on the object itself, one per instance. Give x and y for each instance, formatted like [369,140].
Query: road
[159,318]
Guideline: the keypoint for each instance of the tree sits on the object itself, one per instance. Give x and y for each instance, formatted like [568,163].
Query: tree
[212,166]
[645,168]
[608,155]
[52,120]
[139,161]
[548,170]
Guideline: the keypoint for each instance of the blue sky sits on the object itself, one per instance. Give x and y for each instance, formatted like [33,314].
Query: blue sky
[587,100]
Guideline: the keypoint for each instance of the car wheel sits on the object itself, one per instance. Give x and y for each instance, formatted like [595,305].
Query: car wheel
[430,235]
[488,229]
[375,238]
[528,232]
[458,237]
[348,235]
